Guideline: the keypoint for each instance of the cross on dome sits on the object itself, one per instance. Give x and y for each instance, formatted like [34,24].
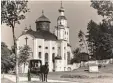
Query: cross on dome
[61,10]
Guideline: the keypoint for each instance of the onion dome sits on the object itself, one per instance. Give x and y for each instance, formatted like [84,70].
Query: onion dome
[62,16]
[43,18]
[61,9]
[43,23]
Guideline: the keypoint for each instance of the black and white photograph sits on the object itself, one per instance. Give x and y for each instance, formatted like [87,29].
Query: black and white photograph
[56,41]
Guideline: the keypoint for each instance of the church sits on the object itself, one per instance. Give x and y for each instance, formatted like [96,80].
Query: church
[47,46]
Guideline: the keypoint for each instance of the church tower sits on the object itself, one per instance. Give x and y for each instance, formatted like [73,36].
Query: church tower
[62,30]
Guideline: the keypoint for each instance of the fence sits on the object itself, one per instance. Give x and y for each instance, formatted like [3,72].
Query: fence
[85,64]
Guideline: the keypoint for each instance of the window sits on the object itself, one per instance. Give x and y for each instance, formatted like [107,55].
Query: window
[39,54]
[39,46]
[64,56]
[46,47]
[68,58]
[64,47]
[53,57]
[46,57]
[53,48]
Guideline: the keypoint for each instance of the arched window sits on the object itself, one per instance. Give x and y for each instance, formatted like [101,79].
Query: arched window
[64,47]
[46,57]
[39,54]
[53,57]
[39,46]
[46,47]
[68,58]
[53,48]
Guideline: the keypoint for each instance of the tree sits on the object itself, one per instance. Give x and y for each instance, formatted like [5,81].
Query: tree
[81,36]
[76,51]
[105,29]
[104,8]
[4,50]
[99,40]
[76,59]
[11,14]
[92,36]
[7,62]
[24,55]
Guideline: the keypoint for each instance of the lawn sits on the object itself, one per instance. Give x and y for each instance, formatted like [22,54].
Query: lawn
[105,75]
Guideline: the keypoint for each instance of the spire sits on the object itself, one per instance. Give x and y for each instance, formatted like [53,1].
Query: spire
[61,10]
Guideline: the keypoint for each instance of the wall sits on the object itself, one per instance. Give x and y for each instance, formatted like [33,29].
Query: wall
[97,62]
[73,66]
[58,66]
[21,42]
[46,47]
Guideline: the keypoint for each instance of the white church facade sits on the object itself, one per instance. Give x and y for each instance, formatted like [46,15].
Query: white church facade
[53,48]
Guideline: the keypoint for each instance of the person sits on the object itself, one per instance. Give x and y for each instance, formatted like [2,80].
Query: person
[44,71]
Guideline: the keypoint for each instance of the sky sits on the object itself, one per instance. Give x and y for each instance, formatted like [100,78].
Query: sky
[78,14]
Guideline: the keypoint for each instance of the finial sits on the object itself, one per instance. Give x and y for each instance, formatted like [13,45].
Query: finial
[42,12]
[25,30]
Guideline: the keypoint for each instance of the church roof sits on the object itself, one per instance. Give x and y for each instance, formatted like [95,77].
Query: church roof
[47,35]
[43,18]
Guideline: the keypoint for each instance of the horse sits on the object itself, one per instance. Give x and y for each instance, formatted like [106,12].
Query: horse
[36,67]
[44,72]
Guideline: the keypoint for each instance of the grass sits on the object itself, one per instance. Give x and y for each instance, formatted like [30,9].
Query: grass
[105,75]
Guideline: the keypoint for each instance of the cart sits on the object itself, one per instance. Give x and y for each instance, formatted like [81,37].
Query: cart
[34,68]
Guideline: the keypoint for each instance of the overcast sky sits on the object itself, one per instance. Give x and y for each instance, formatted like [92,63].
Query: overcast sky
[78,14]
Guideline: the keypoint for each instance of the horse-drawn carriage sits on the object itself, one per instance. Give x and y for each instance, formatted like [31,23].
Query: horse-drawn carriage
[34,68]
